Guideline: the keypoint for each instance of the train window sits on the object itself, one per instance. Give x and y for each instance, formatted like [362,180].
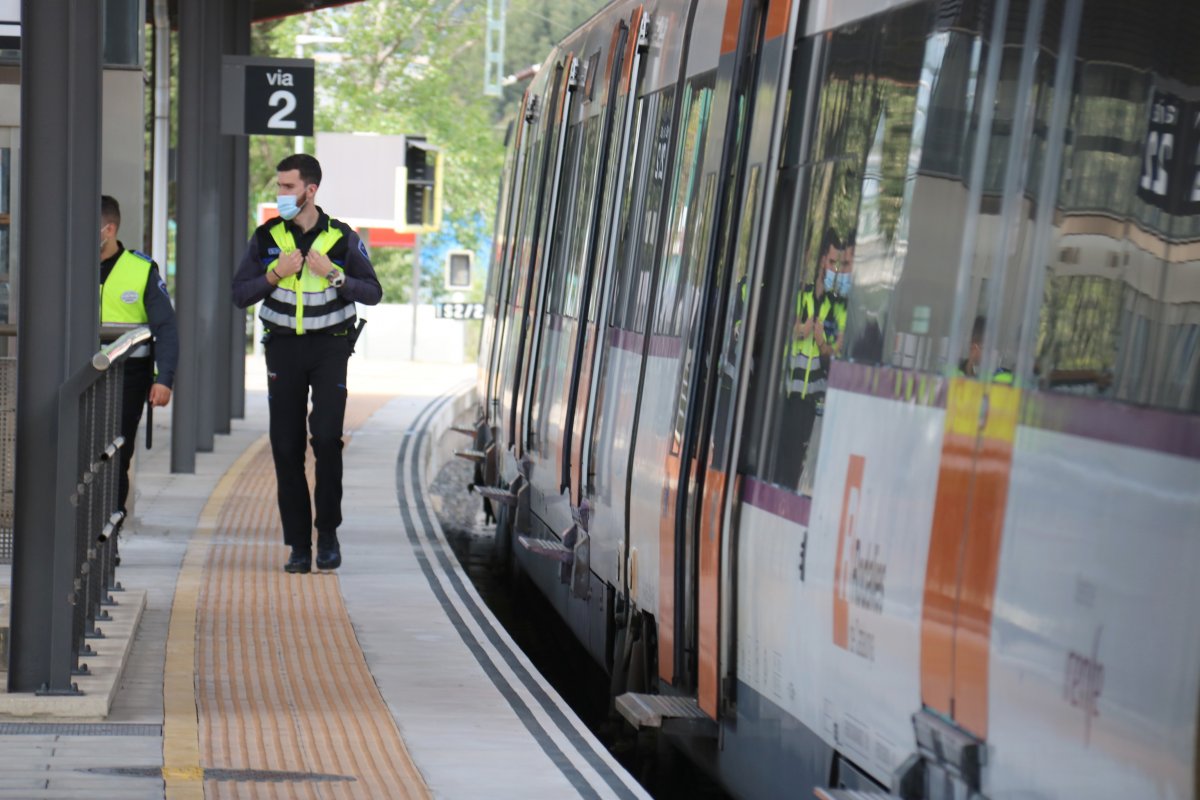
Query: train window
[880,216]
[669,315]
[1120,310]
[564,278]
[640,210]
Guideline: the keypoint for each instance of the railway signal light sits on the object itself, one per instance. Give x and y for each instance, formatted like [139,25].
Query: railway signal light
[419,200]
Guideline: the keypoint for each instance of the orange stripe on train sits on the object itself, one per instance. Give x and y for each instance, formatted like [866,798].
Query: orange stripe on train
[964,550]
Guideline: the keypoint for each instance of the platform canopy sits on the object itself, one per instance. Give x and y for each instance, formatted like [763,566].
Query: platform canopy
[264,9]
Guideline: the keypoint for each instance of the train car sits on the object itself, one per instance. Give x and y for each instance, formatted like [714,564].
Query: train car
[840,386]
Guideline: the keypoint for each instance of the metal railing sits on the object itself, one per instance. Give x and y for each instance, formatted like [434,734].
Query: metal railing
[88,464]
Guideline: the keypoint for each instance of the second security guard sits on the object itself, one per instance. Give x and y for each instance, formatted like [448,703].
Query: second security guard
[309,270]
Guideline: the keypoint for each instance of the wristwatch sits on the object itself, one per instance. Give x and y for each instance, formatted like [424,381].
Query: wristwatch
[336,278]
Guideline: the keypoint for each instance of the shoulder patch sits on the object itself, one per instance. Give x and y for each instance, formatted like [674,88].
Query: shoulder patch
[272,251]
[362,248]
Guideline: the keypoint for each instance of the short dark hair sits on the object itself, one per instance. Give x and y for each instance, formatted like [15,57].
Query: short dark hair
[110,211]
[309,167]
[830,240]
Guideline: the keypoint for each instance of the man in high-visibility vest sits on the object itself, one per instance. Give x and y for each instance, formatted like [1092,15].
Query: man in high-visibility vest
[132,295]
[818,328]
[308,270]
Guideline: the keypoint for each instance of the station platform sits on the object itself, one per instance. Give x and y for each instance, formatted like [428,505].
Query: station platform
[388,678]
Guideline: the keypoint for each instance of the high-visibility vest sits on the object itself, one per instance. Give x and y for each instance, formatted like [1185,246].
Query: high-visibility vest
[320,306]
[804,356]
[123,295]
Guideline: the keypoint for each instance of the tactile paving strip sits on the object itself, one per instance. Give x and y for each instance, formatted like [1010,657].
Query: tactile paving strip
[283,691]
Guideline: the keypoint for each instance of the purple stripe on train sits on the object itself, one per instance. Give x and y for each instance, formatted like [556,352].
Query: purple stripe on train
[1160,430]
[1156,429]
[631,341]
[777,501]
[889,383]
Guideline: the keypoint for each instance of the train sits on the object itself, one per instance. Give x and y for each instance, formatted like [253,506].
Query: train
[839,385]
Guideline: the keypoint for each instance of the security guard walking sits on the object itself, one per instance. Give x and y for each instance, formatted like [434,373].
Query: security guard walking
[309,270]
[133,294]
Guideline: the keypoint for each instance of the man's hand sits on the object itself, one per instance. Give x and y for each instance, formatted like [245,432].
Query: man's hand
[319,263]
[159,395]
[289,264]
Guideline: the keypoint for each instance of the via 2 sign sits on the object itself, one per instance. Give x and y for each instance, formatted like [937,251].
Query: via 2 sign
[279,100]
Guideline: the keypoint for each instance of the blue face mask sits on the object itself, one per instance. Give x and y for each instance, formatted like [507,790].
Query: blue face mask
[287,206]
[838,283]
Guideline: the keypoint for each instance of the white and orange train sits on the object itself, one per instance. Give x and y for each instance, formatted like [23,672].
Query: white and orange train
[840,385]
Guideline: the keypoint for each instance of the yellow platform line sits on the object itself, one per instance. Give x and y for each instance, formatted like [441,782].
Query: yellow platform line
[182,771]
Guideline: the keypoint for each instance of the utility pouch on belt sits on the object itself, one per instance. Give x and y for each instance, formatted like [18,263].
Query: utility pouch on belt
[355,333]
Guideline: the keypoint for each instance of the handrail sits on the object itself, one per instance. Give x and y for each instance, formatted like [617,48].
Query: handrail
[113,352]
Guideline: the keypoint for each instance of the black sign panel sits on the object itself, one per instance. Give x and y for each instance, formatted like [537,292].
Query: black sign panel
[1170,176]
[279,100]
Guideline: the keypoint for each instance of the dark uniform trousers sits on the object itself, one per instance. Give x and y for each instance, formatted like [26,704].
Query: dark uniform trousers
[296,364]
[139,375]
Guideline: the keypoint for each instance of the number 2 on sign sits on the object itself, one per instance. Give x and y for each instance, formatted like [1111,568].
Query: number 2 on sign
[280,118]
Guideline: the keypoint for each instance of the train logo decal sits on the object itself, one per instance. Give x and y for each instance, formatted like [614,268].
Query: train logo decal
[859,571]
[1083,681]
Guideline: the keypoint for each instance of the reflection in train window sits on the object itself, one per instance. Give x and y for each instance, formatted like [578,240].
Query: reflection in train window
[882,218]
[1120,313]
[565,277]
[640,209]
[670,311]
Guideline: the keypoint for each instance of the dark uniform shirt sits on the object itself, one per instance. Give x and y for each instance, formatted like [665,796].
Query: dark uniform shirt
[250,283]
[161,318]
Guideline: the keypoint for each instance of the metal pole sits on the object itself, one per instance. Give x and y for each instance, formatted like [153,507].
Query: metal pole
[209,251]
[59,320]
[416,291]
[239,209]
[186,401]
[162,133]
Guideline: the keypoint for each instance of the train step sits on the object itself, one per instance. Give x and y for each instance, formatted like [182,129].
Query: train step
[462,430]
[471,455]
[851,794]
[497,495]
[547,548]
[661,710]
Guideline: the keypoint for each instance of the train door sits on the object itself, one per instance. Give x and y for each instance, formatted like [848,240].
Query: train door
[995,322]
[503,264]
[629,43]
[628,197]
[494,303]
[564,78]
[708,391]
[540,116]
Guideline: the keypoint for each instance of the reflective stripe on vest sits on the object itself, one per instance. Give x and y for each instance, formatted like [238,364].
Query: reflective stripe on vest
[122,296]
[311,289]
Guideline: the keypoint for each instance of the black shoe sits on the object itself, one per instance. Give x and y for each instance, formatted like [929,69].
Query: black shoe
[300,561]
[329,554]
